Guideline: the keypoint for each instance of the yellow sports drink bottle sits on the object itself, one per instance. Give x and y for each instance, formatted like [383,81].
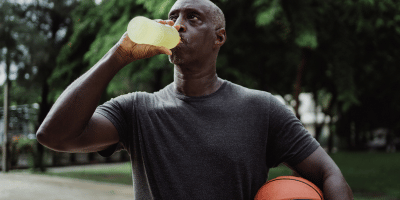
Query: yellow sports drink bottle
[143,30]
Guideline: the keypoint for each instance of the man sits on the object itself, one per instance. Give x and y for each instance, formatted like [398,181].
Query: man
[201,137]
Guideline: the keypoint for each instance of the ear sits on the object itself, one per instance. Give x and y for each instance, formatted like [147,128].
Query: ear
[221,37]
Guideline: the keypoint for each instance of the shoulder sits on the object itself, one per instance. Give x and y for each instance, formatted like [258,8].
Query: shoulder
[148,100]
[251,95]
[139,97]
[124,101]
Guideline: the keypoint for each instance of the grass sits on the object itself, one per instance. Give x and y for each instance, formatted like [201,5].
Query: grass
[371,175]
[120,174]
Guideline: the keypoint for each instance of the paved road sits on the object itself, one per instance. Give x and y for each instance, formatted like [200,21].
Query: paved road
[24,186]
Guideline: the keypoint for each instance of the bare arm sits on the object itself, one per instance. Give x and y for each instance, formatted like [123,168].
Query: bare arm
[320,169]
[71,124]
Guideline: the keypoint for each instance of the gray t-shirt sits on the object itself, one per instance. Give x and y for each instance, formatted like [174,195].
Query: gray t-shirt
[218,146]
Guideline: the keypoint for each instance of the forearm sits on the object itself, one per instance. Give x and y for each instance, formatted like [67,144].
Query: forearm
[75,106]
[335,187]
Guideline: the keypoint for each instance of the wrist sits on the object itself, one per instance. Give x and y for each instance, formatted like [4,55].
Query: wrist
[121,57]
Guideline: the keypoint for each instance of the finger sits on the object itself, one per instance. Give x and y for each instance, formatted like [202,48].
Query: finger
[157,49]
[160,21]
[170,22]
[177,27]
[125,35]
[165,50]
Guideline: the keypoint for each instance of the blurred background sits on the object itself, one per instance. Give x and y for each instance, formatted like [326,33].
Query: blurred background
[335,63]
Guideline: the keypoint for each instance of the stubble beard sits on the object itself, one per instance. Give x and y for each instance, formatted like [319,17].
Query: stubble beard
[176,57]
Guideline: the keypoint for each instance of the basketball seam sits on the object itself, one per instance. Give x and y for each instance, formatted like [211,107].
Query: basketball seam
[299,181]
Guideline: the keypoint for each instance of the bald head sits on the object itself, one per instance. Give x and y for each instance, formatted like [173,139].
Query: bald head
[202,31]
[218,17]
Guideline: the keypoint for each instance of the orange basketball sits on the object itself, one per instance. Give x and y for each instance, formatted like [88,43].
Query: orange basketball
[288,188]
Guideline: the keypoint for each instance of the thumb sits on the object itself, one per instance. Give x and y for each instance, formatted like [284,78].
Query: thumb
[165,50]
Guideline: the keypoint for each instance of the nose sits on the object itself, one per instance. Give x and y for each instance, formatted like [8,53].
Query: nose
[179,26]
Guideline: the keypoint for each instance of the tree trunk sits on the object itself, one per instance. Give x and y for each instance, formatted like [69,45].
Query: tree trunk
[124,156]
[39,157]
[44,109]
[332,111]
[108,159]
[56,158]
[297,87]
[331,136]
[317,126]
[91,157]
[72,158]
[6,142]
[318,131]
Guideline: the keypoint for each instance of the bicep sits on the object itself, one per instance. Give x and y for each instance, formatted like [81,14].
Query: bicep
[98,134]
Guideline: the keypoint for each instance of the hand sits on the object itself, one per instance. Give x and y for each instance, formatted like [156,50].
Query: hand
[169,22]
[129,51]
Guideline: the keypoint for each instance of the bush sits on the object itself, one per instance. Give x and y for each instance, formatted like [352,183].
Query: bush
[21,145]
[25,145]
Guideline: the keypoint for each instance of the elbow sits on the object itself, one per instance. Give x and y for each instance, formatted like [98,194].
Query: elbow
[49,142]
[41,138]
[336,187]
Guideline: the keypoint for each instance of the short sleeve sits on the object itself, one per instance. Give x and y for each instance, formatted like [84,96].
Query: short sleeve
[288,140]
[120,112]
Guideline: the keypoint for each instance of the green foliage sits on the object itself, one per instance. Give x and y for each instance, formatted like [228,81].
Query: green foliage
[349,48]
[46,21]
[244,61]
[307,39]
[324,99]
[267,16]
[25,146]
[69,61]
[354,62]
[367,2]
[11,27]
[19,94]
[370,172]
[157,9]
[19,146]
[104,25]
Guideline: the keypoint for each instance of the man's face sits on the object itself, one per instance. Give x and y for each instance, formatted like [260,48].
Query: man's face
[198,36]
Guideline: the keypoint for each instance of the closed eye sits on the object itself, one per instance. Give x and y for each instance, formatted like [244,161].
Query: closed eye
[190,16]
[172,17]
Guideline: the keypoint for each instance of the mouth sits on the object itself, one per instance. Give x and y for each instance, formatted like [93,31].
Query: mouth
[182,41]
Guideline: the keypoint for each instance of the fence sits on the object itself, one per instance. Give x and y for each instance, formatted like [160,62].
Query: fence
[24,147]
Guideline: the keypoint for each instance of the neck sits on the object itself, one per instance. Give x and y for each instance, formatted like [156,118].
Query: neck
[191,83]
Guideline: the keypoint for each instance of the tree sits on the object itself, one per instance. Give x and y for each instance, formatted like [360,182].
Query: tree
[13,54]
[355,65]
[349,53]
[98,30]
[49,24]
[245,61]
[283,47]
